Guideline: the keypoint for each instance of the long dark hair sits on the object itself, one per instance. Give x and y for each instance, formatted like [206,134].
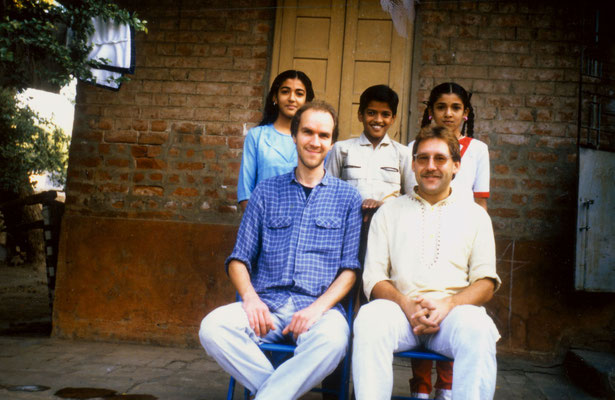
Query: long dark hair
[270,113]
[451,88]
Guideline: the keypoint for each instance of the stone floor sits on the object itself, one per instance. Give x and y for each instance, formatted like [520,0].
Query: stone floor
[189,374]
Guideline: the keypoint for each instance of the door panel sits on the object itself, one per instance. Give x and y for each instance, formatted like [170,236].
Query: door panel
[595,248]
[310,38]
[344,47]
[373,54]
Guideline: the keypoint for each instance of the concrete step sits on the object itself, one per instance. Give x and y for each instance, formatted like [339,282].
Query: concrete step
[592,370]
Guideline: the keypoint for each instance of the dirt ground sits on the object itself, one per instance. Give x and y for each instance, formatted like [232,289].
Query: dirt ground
[24,300]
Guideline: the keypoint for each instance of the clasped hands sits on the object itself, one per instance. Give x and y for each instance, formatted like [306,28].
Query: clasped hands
[425,315]
[261,322]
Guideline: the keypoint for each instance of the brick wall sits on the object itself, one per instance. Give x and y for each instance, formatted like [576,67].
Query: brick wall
[151,194]
[520,60]
[168,144]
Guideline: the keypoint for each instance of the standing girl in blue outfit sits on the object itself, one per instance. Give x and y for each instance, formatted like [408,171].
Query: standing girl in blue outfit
[269,149]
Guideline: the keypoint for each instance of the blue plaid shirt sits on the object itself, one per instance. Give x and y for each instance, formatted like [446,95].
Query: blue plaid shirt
[296,247]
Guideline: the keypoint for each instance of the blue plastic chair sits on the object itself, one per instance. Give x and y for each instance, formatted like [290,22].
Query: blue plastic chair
[421,355]
[279,352]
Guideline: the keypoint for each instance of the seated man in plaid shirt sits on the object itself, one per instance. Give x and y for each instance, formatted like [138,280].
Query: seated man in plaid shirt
[294,260]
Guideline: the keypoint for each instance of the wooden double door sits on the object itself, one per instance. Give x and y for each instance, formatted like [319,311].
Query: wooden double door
[344,47]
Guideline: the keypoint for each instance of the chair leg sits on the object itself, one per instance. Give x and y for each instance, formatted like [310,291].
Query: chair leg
[231,389]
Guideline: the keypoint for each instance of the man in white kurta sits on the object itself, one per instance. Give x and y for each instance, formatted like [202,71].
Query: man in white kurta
[430,266]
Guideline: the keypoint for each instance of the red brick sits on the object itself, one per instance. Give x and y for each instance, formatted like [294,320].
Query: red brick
[186,192]
[504,183]
[152,86]
[538,213]
[513,127]
[150,163]
[79,187]
[154,151]
[544,115]
[179,87]
[153,138]
[245,115]
[517,140]
[117,162]
[504,212]
[191,166]
[88,162]
[112,188]
[138,177]
[435,44]
[502,169]
[519,198]
[138,151]
[555,142]
[511,46]
[227,209]
[542,157]
[472,44]
[159,126]
[235,142]
[121,137]
[511,20]
[142,190]
[462,71]
[539,101]
[545,74]
[535,184]
[507,73]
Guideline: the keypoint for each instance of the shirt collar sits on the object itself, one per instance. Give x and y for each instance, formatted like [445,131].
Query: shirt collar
[364,141]
[326,180]
[444,202]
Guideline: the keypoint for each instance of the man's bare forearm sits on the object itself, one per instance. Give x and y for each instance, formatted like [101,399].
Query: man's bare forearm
[478,293]
[240,278]
[337,290]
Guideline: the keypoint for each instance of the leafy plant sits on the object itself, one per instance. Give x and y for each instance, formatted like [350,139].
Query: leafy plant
[34,52]
[33,40]
[29,144]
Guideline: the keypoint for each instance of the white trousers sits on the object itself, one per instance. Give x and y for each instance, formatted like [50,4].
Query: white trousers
[467,335]
[227,337]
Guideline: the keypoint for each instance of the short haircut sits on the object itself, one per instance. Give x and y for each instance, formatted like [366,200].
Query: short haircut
[438,132]
[316,106]
[381,93]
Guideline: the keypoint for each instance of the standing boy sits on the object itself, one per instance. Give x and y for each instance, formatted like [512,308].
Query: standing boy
[379,167]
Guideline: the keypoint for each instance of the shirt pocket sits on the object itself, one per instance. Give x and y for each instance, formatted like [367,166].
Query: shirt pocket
[276,236]
[352,167]
[390,175]
[328,234]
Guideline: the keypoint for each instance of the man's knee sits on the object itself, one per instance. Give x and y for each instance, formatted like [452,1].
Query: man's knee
[333,332]
[212,328]
[475,329]
[372,320]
